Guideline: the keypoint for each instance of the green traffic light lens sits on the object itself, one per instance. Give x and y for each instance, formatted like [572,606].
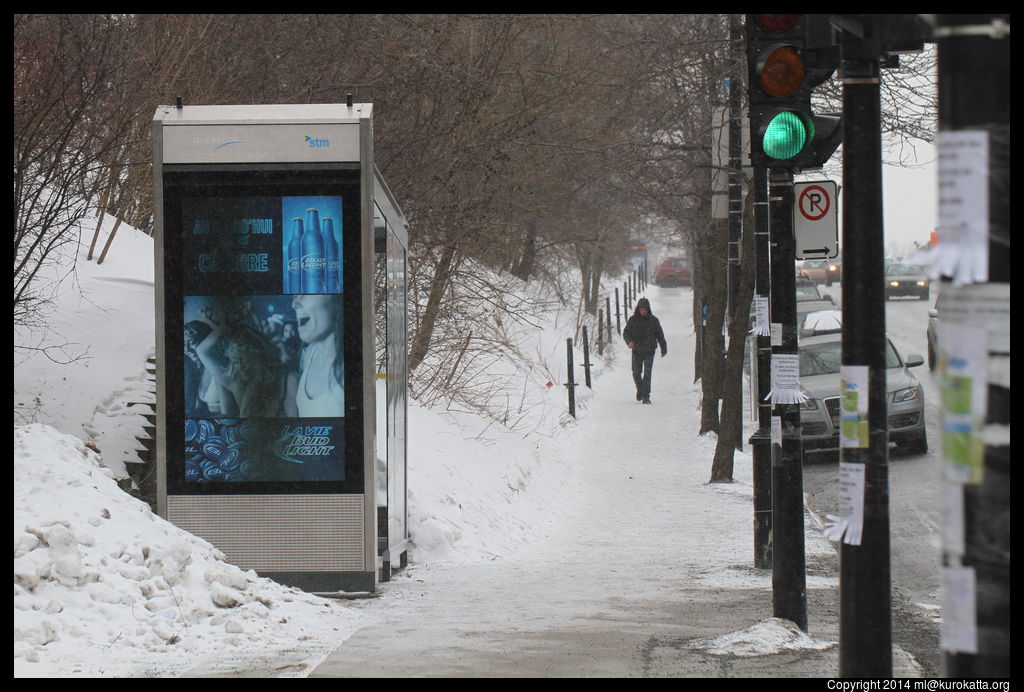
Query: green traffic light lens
[786,135]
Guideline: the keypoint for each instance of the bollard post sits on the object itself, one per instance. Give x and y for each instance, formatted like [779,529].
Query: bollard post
[608,316]
[571,384]
[618,322]
[586,358]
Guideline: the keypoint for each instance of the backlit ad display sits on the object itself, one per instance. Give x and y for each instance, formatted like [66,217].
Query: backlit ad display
[262,361]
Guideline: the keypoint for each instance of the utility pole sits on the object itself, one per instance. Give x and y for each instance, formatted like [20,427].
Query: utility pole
[735,208]
[761,441]
[974,216]
[789,577]
[865,629]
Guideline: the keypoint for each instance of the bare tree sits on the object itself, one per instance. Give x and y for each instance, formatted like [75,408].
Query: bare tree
[66,121]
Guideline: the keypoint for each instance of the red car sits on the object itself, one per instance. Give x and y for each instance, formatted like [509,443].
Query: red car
[674,271]
[815,270]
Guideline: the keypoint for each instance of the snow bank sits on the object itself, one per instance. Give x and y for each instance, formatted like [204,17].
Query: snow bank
[468,483]
[102,585]
[772,636]
[101,327]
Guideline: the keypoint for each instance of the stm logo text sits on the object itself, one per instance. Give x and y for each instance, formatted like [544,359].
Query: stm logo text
[316,142]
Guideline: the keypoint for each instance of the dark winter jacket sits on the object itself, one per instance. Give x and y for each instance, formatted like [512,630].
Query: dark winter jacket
[644,331]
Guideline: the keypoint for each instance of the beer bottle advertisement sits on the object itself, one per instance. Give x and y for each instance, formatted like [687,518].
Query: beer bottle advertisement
[264,385]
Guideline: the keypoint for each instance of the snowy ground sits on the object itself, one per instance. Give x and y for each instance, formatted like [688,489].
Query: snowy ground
[103,587]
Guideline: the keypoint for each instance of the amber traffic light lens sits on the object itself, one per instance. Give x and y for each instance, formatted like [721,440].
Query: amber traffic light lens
[782,73]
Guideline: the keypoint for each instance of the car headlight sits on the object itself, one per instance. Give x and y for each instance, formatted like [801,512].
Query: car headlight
[894,283]
[808,404]
[922,283]
[905,395]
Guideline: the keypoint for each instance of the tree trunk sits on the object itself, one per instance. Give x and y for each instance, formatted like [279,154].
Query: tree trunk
[101,212]
[110,239]
[714,343]
[732,386]
[595,291]
[524,269]
[439,284]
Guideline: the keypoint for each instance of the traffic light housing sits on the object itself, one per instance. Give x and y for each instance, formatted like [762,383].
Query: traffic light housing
[788,55]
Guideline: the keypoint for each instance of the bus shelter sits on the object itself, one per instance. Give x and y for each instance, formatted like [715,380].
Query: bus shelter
[270,440]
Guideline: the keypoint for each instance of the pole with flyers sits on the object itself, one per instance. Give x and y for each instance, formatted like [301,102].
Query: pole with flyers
[974,341]
[789,577]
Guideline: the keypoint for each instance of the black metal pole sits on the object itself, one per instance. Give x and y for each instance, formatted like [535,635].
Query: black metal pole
[586,358]
[736,205]
[789,580]
[618,321]
[974,95]
[570,377]
[608,317]
[761,440]
[735,213]
[865,627]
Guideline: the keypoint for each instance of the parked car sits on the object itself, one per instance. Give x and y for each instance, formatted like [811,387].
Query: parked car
[814,322]
[820,361]
[906,280]
[815,270]
[674,271]
[808,290]
[833,271]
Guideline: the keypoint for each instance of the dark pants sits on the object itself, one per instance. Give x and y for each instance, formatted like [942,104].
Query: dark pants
[642,364]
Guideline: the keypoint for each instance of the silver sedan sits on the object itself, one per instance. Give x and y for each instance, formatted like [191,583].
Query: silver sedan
[820,361]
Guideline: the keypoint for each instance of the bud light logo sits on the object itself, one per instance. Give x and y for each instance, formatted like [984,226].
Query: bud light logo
[317,143]
[304,441]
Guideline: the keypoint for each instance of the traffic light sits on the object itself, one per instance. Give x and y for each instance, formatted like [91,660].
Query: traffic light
[787,56]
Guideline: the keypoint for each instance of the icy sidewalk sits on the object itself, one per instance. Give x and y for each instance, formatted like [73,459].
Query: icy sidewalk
[636,565]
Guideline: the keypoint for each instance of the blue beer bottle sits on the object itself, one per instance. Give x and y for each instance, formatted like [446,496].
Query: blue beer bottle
[333,257]
[313,262]
[293,259]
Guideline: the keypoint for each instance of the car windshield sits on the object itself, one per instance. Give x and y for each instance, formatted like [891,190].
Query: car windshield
[807,288]
[904,269]
[826,358]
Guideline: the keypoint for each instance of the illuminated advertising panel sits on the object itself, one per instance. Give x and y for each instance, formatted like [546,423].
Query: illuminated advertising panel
[261,369]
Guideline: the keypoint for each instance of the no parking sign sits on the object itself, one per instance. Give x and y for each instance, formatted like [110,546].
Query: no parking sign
[815,221]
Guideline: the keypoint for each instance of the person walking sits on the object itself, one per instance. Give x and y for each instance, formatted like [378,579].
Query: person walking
[643,335]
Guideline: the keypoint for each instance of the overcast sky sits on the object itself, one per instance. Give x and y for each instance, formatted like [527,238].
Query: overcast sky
[911,199]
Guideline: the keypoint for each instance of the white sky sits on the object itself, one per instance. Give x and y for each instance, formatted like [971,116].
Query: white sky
[911,198]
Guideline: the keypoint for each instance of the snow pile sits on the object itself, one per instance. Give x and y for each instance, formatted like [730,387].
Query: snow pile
[772,636]
[468,483]
[101,584]
[101,330]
